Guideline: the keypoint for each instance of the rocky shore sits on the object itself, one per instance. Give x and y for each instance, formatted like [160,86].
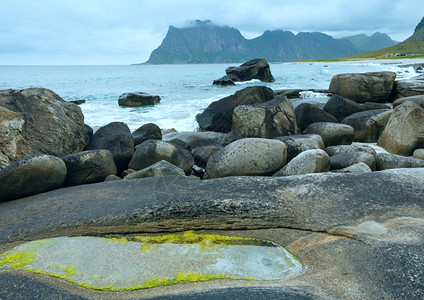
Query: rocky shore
[340,186]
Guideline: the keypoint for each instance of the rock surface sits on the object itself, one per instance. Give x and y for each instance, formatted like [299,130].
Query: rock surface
[197,139]
[146,132]
[341,108]
[309,161]
[254,69]
[355,168]
[161,168]
[418,153]
[224,81]
[299,143]
[138,99]
[11,125]
[419,99]
[307,114]
[385,161]
[407,88]
[333,150]
[201,155]
[344,160]
[332,134]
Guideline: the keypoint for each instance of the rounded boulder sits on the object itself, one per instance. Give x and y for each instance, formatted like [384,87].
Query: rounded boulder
[310,161]
[331,133]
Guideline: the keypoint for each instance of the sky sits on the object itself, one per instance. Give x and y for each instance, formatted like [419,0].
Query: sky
[120,32]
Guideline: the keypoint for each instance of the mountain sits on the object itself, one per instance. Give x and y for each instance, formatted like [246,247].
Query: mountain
[204,42]
[369,43]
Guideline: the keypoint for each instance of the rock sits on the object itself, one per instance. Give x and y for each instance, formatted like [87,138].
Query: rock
[341,108]
[299,143]
[197,139]
[404,131]
[250,156]
[224,81]
[51,125]
[386,161]
[202,154]
[407,88]
[11,125]
[180,144]
[89,166]
[332,134]
[219,114]
[152,151]
[115,137]
[265,120]
[254,69]
[309,161]
[307,114]
[146,132]
[137,99]
[31,175]
[418,153]
[112,178]
[344,160]
[369,124]
[373,106]
[88,133]
[160,168]
[77,102]
[364,87]
[355,168]
[333,150]
[419,99]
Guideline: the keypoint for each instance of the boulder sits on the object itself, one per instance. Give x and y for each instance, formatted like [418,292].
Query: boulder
[88,133]
[355,168]
[180,144]
[307,114]
[11,125]
[310,161]
[31,175]
[404,131]
[374,105]
[344,160]
[115,137]
[250,156]
[50,124]
[89,166]
[152,151]
[78,102]
[341,108]
[340,149]
[385,161]
[219,114]
[224,81]
[299,143]
[364,87]
[160,168]
[332,134]
[254,69]
[419,99]
[201,155]
[418,153]
[137,99]
[146,132]
[112,178]
[265,120]
[407,88]
[197,139]
[368,125]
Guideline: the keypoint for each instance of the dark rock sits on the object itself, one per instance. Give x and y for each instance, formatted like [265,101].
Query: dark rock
[299,143]
[254,69]
[31,175]
[197,139]
[341,108]
[407,88]
[224,81]
[419,99]
[152,151]
[307,114]
[146,132]
[355,168]
[386,161]
[307,162]
[290,94]
[331,133]
[340,149]
[373,106]
[88,133]
[137,99]
[77,102]
[202,154]
[219,114]
[180,144]
[115,137]
[160,168]
[112,178]
[89,166]
[364,87]
[369,124]
[344,160]
[265,120]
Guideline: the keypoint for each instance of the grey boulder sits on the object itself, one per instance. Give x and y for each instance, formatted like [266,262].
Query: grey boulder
[161,168]
[196,139]
[201,155]
[332,134]
[137,99]
[299,143]
[307,114]
[419,99]
[344,160]
[257,68]
[340,149]
[146,132]
[11,125]
[309,161]
[385,161]
[355,168]
[341,108]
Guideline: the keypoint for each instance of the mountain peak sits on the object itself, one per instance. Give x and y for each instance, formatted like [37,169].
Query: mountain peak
[420,25]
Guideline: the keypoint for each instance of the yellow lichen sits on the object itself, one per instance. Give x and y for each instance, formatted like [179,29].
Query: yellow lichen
[18,259]
[123,241]
[145,248]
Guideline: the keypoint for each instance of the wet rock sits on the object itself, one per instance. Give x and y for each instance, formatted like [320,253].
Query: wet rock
[307,114]
[386,161]
[160,168]
[299,143]
[309,161]
[344,160]
[333,150]
[341,108]
[332,134]
[146,132]
[355,168]
[224,81]
[257,68]
[137,99]
[419,99]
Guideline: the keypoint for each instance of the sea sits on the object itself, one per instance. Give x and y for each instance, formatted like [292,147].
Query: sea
[185,90]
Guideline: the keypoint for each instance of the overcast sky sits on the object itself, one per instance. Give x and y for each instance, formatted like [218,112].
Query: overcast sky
[39,32]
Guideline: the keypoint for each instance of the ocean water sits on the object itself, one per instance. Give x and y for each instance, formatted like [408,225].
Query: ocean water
[185,90]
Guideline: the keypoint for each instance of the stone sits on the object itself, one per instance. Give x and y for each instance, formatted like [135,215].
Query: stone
[309,161]
[299,143]
[89,166]
[341,108]
[340,149]
[50,124]
[115,137]
[344,160]
[137,99]
[146,132]
[31,175]
[201,155]
[88,133]
[11,125]
[257,68]
[224,81]
[355,168]
[332,134]
[180,144]
[404,131]
[364,87]
[265,120]
[419,99]
[407,88]
[219,114]
[307,114]
[197,139]
[374,105]
[369,124]
[152,151]
[249,156]
[112,178]
[160,168]
[385,161]
[418,153]
[77,102]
